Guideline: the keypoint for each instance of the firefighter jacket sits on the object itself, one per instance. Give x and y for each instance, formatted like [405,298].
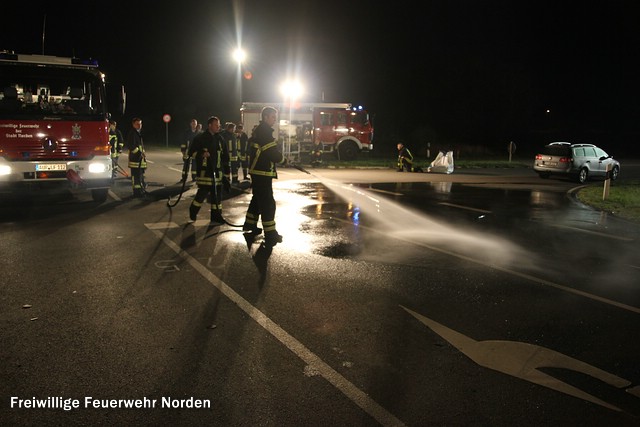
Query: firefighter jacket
[209,169]
[116,141]
[232,145]
[135,145]
[264,154]
[187,139]
[405,158]
[243,142]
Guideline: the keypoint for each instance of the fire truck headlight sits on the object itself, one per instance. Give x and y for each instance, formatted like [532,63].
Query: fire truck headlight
[97,167]
[5,170]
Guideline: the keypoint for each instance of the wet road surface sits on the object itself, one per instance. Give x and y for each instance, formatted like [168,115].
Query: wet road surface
[393,299]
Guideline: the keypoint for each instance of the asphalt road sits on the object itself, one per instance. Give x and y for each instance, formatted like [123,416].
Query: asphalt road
[483,297]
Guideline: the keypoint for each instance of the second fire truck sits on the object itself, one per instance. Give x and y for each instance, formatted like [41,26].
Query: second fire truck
[339,128]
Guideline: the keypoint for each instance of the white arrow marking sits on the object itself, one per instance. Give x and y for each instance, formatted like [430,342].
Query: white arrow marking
[522,360]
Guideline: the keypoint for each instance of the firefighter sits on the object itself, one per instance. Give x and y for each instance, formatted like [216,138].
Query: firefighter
[405,158]
[137,158]
[212,167]
[233,146]
[116,141]
[243,141]
[263,157]
[187,139]
[316,154]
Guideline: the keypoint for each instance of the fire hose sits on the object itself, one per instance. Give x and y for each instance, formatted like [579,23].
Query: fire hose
[300,168]
[185,173]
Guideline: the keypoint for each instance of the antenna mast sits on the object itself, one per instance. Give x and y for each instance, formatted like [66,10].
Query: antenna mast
[44,23]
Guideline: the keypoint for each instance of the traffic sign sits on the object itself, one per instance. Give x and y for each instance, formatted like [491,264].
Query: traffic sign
[166,118]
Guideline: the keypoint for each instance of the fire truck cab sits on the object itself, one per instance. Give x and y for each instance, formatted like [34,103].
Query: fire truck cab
[336,127]
[54,125]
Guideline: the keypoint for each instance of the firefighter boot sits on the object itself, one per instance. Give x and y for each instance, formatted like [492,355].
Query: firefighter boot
[251,224]
[216,217]
[193,212]
[272,238]
[251,229]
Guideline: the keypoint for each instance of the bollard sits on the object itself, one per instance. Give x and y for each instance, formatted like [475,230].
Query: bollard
[607,183]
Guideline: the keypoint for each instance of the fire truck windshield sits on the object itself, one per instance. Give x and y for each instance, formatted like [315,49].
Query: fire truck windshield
[36,92]
[360,117]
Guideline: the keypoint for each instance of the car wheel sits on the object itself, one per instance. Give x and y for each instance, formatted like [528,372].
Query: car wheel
[614,173]
[348,150]
[583,175]
[544,174]
[100,194]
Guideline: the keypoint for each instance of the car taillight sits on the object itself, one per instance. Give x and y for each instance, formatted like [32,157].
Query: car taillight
[566,160]
[538,156]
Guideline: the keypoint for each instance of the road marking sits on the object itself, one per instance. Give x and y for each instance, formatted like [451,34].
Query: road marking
[464,207]
[504,270]
[385,192]
[582,230]
[162,225]
[352,392]
[523,360]
[114,196]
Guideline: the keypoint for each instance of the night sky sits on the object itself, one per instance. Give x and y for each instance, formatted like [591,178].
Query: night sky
[469,74]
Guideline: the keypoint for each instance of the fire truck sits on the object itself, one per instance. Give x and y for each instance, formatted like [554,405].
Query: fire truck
[54,125]
[336,127]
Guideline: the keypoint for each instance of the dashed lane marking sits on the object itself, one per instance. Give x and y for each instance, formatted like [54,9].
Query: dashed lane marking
[507,270]
[464,207]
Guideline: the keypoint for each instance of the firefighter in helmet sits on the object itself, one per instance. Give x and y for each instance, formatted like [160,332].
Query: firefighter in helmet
[116,142]
[243,141]
[187,139]
[212,169]
[316,154]
[137,158]
[233,147]
[405,158]
[263,157]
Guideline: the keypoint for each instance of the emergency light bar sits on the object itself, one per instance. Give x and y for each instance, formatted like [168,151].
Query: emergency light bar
[48,60]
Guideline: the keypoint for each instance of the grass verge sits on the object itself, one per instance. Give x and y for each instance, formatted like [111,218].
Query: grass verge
[623,200]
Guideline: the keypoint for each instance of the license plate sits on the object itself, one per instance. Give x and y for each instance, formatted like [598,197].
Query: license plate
[550,163]
[51,167]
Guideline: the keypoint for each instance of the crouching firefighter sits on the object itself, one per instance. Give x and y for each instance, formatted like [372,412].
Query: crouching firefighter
[212,167]
[405,160]
[263,157]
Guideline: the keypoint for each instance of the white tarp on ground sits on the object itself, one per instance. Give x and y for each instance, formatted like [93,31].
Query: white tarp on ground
[443,163]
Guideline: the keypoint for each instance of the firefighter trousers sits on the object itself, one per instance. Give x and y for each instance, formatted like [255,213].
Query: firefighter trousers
[235,166]
[262,207]
[214,194]
[245,169]
[137,181]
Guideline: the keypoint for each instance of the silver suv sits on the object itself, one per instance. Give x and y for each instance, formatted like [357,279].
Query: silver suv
[578,161]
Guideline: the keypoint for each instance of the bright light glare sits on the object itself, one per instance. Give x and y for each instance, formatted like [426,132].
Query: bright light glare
[97,167]
[292,89]
[5,170]
[239,55]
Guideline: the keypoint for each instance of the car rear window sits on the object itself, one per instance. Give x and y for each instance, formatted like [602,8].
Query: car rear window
[557,150]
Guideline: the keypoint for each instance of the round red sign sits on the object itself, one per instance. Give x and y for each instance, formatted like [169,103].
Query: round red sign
[166,118]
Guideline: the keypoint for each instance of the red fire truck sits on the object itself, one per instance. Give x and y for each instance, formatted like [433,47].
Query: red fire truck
[336,127]
[54,125]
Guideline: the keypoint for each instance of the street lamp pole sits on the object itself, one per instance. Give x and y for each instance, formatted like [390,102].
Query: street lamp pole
[239,56]
[291,90]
